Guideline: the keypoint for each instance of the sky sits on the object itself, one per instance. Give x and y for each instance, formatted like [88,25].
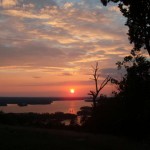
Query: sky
[48,47]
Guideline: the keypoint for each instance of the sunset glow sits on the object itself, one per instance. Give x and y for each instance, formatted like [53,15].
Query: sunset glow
[72,91]
[51,45]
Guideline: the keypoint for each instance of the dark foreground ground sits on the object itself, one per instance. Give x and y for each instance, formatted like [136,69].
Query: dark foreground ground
[19,138]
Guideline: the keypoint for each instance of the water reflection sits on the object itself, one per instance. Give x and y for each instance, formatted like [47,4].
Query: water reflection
[71,111]
[72,108]
[56,106]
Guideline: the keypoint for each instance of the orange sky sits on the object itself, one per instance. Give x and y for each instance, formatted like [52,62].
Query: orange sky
[48,47]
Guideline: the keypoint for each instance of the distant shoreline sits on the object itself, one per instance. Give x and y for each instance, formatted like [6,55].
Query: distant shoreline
[24,101]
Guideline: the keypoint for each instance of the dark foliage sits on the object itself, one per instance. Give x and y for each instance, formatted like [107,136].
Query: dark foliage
[135,84]
[107,117]
[137,13]
[134,90]
[36,120]
[84,114]
[128,112]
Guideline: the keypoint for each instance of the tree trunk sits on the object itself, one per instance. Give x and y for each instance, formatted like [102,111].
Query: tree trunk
[94,103]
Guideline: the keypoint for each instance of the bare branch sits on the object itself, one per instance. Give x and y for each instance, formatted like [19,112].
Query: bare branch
[107,79]
[91,93]
[104,83]
[96,76]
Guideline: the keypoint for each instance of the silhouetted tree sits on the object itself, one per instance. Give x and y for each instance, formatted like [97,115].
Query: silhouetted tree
[128,113]
[98,88]
[134,87]
[134,92]
[136,81]
[84,114]
[137,13]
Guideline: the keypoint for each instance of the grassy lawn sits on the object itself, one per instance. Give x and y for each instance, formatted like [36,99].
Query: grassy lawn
[20,138]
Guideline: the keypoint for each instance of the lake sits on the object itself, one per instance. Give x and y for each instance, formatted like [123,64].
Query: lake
[68,106]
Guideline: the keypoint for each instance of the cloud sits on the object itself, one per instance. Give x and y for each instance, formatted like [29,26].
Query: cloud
[31,52]
[68,5]
[66,83]
[8,3]
[27,3]
[67,74]
[113,72]
[38,4]
[36,77]
[63,37]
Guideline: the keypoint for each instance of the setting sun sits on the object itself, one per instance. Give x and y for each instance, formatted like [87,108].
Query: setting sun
[72,91]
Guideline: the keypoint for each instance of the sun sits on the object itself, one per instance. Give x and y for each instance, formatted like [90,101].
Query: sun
[72,91]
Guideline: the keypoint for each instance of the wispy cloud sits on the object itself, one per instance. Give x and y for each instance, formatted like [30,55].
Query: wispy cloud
[8,3]
[61,36]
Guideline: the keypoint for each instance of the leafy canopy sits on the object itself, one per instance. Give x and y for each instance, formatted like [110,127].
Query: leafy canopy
[135,84]
[137,13]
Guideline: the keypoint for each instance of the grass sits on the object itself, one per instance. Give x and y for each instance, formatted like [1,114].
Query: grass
[21,138]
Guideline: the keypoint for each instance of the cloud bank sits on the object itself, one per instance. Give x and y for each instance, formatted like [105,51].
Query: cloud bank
[60,37]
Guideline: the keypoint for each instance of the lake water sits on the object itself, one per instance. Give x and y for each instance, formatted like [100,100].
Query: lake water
[71,106]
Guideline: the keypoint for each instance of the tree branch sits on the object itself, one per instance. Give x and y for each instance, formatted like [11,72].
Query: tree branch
[96,76]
